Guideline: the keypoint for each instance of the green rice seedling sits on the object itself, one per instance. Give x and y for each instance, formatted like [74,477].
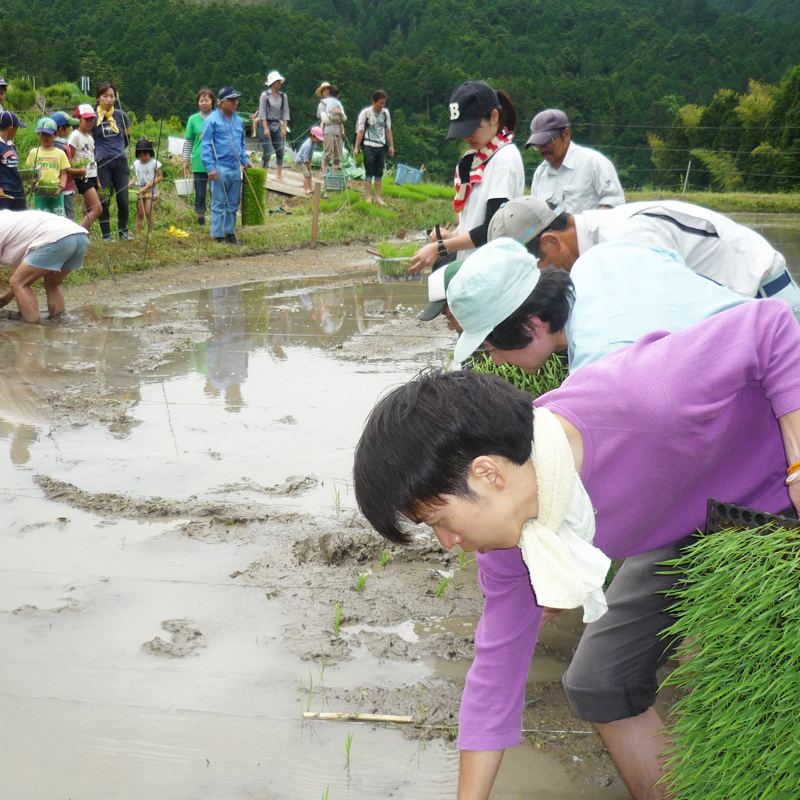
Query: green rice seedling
[327,791]
[442,586]
[254,190]
[385,556]
[432,190]
[464,560]
[362,581]
[548,377]
[375,211]
[337,618]
[734,734]
[337,499]
[404,192]
[398,249]
[347,750]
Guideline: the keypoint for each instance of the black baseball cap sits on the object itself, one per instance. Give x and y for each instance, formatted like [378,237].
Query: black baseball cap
[469,104]
[227,93]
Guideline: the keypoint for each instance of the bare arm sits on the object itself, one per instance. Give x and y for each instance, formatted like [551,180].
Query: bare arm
[790,431]
[425,256]
[390,138]
[359,139]
[477,772]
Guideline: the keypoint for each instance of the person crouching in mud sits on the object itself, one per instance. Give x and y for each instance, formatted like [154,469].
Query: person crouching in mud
[605,467]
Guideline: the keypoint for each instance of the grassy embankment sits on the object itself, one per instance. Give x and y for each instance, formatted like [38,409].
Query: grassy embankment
[342,217]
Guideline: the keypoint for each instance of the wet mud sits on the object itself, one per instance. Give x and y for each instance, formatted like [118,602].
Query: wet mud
[182,529]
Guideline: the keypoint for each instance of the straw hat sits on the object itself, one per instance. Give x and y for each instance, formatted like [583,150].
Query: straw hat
[323,85]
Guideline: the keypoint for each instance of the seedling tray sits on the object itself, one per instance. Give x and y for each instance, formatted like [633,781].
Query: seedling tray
[722,516]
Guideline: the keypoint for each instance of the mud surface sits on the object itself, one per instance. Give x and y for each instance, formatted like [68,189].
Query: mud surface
[183,543]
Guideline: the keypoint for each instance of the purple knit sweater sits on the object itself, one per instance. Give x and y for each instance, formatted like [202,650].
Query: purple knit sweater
[667,422]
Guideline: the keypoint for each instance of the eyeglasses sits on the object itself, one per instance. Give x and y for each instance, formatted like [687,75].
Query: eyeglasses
[550,141]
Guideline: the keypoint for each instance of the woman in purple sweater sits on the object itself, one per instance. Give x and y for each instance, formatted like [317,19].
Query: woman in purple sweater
[654,430]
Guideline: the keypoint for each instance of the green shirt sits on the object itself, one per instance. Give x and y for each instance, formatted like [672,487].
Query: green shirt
[194,131]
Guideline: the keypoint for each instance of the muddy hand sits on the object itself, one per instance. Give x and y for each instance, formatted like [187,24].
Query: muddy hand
[424,257]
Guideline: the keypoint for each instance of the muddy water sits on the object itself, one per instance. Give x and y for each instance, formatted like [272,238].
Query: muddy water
[161,632]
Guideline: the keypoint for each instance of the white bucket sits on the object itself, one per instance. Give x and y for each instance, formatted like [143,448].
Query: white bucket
[184,186]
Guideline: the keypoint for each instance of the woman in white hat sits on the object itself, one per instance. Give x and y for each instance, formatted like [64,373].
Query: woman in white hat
[273,115]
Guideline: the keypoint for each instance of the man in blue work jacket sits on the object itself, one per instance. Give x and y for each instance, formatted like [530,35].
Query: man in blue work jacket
[224,156]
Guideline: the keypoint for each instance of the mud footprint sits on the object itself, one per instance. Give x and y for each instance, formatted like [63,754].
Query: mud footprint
[185,640]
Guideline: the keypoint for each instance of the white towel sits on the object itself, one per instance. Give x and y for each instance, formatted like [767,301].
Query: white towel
[566,569]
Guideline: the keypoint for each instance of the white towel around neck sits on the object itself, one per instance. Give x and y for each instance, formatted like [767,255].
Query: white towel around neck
[566,569]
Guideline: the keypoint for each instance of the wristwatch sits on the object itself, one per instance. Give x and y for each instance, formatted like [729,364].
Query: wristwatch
[441,250]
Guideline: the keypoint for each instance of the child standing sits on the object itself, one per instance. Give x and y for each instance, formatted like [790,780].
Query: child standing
[53,165]
[82,143]
[12,190]
[306,153]
[146,174]
[64,125]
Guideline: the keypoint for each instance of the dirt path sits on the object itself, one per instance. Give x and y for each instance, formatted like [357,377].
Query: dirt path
[208,273]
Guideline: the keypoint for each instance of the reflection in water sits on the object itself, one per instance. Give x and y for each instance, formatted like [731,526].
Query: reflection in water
[108,353]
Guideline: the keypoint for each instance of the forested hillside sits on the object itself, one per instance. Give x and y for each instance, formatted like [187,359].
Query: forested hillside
[623,69]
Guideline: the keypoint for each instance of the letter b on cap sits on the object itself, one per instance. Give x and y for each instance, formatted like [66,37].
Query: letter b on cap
[454,112]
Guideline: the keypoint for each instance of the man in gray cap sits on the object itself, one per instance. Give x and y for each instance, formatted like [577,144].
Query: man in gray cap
[710,243]
[573,177]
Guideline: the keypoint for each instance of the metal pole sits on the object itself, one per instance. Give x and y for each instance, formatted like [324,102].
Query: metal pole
[686,179]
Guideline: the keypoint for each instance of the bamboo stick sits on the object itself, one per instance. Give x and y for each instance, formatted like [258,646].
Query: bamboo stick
[350,717]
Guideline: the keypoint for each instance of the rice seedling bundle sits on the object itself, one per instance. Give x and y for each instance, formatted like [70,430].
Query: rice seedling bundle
[431,190]
[549,376]
[376,211]
[736,733]
[398,249]
[45,189]
[254,190]
[403,192]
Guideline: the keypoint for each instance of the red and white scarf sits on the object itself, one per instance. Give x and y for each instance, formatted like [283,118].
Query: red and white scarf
[480,159]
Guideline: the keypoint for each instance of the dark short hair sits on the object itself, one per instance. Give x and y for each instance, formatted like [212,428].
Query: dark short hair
[378,94]
[550,301]
[103,87]
[205,90]
[560,223]
[333,90]
[144,145]
[420,440]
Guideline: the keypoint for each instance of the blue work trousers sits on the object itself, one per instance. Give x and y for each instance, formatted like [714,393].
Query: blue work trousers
[225,193]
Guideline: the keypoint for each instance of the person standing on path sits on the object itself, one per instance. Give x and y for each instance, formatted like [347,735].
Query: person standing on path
[373,130]
[332,130]
[224,156]
[273,116]
[192,159]
[112,130]
[12,189]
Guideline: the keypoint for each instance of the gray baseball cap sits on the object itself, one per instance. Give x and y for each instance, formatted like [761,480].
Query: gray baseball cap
[545,125]
[522,219]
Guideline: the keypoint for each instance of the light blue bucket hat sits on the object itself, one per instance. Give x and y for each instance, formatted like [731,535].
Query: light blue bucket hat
[490,286]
